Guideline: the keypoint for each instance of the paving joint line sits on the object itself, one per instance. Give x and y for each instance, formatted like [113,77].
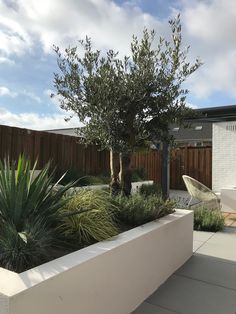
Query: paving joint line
[206,282]
[221,260]
[163,307]
[204,242]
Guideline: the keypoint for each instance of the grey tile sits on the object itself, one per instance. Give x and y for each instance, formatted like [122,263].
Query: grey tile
[229,230]
[188,296]
[211,270]
[202,235]
[225,251]
[147,308]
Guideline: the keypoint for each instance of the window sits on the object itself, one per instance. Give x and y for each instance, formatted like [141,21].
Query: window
[231,127]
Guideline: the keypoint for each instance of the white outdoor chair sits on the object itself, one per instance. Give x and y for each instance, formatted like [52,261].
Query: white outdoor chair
[202,193]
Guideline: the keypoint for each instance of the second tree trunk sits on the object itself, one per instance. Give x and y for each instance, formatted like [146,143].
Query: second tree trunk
[125,173]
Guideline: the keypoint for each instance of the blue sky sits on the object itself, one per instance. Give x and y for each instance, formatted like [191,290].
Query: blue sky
[28,29]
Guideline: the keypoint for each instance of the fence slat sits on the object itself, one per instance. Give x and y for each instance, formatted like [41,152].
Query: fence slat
[66,152]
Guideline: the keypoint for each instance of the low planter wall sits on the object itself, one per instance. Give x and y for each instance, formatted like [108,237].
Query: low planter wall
[109,277]
[135,186]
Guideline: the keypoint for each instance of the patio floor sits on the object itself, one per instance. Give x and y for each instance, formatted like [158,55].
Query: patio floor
[205,284]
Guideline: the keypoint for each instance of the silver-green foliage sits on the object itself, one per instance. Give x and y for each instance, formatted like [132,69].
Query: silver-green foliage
[208,220]
[95,219]
[129,100]
[29,214]
[126,102]
[137,209]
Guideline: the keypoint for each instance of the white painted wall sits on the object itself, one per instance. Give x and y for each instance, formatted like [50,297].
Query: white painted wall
[110,277]
[224,155]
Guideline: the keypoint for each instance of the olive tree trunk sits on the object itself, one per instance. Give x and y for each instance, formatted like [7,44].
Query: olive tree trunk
[165,177]
[115,186]
[125,173]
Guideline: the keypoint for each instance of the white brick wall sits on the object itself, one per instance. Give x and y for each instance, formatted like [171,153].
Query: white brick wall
[224,155]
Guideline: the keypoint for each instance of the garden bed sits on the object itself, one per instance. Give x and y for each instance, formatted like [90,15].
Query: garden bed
[112,276]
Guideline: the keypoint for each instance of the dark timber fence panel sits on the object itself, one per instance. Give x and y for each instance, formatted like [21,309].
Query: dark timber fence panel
[193,161]
[66,152]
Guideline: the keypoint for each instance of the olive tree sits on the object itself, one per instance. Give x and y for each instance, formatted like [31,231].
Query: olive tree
[126,102]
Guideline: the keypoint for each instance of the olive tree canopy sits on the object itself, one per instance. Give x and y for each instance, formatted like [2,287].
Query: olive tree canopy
[126,102]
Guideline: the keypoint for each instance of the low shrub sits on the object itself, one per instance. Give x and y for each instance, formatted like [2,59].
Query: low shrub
[137,209]
[94,221]
[150,189]
[208,220]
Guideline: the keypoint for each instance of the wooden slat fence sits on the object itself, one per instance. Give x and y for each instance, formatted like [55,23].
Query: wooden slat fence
[66,152]
[193,161]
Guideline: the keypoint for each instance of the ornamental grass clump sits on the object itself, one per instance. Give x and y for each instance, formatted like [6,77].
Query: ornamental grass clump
[208,220]
[137,209]
[29,215]
[95,221]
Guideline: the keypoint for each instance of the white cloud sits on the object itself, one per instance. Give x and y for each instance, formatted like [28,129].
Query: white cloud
[64,22]
[32,96]
[36,121]
[6,61]
[55,99]
[190,105]
[14,37]
[209,28]
[5,91]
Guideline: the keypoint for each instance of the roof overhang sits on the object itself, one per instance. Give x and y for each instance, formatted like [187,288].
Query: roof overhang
[215,114]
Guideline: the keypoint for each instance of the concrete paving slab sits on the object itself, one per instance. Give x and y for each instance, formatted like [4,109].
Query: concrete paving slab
[147,308]
[226,251]
[224,238]
[197,245]
[212,270]
[188,296]
[202,235]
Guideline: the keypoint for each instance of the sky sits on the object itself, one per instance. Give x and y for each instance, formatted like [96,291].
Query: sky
[30,28]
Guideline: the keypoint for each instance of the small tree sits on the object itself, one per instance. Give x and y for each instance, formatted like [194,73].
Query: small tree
[126,103]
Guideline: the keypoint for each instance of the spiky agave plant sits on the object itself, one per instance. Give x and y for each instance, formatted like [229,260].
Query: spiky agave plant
[29,214]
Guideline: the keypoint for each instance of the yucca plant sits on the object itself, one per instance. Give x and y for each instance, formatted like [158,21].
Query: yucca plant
[94,221]
[29,214]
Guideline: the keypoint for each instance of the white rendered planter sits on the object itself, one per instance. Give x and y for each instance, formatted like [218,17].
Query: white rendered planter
[109,277]
[135,186]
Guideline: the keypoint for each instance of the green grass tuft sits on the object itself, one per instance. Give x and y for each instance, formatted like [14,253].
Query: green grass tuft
[208,220]
[94,221]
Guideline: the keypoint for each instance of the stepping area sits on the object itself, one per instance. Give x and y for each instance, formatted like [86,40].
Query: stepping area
[230,219]
[205,284]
